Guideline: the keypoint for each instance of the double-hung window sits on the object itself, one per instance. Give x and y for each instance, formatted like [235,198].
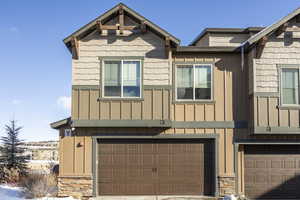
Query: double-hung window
[194,82]
[289,86]
[122,78]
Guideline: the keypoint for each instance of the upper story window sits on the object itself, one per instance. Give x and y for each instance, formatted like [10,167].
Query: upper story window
[122,78]
[194,82]
[289,86]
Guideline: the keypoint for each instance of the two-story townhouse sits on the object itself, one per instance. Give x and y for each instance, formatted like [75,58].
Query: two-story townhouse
[151,117]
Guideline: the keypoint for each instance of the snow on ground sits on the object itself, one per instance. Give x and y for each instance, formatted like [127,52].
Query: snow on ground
[15,193]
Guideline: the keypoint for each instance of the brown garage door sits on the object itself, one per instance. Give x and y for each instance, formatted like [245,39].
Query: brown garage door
[152,167]
[272,171]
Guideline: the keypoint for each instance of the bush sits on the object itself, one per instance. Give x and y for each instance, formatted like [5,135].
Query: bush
[10,176]
[39,185]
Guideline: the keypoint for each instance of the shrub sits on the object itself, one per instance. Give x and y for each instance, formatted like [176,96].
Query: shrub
[10,176]
[39,185]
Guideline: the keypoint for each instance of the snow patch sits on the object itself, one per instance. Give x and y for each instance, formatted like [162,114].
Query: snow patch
[8,192]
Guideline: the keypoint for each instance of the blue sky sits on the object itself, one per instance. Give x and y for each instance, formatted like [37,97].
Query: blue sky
[35,66]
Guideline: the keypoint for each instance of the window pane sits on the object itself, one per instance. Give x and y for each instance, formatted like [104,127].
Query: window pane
[131,78]
[290,86]
[202,82]
[184,80]
[112,78]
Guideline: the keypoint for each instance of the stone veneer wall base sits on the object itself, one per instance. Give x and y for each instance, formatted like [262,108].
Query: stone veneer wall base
[77,187]
[226,185]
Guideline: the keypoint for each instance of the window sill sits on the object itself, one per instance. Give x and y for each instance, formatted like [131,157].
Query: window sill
[120,99]
[283,107]
[195,102]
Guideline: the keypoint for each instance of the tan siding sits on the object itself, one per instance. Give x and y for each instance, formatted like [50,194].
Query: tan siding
[230,39]
[166,104]
[147,105]
[94,105]
[155,106]
[67,154]
[84,99]
[294,118]
[273,112]
[86,70]
[219,94]
[276,51]
[126,110]
[199,112]
[115,113]
[263,112]
[79,155]
[104,110]
[229,102]
[75,104]
[88,155]
[137,110]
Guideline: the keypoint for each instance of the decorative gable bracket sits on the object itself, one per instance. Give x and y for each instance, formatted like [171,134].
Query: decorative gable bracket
[75,48]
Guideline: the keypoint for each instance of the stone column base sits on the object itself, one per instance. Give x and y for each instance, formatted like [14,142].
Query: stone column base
[75,186]
[226,185]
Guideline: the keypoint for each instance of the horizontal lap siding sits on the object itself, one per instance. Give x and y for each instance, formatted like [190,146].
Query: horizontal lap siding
[155,106]
[86,69]
[278,50]
[219,39]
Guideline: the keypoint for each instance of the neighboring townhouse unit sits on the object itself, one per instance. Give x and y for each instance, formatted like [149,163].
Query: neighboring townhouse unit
[151,117]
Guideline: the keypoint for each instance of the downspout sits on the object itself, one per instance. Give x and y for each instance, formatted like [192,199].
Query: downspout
[242,56]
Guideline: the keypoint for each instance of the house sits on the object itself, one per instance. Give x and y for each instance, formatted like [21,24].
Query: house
[43,155]
[151,117]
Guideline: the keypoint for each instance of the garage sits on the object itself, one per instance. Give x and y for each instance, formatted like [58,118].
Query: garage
[156,167]
[272,171]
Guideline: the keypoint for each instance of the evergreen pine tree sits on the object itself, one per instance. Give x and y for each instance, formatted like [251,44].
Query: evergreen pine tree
[11,152]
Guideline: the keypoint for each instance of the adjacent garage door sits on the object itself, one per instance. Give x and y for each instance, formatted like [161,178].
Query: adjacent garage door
[272,171]
[153,167]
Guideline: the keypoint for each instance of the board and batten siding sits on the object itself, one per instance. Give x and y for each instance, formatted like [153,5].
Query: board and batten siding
[75,155]
[86,69]
[229,94]
[155,105]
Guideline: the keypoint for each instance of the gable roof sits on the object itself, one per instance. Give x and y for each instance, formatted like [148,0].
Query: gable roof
[114,10]
[271,28]
[225,30]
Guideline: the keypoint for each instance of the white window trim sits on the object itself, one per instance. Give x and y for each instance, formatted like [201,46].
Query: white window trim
[281,93]
[102,79]
[193,66]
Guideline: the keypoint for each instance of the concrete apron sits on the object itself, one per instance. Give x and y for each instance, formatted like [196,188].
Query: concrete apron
[153,198]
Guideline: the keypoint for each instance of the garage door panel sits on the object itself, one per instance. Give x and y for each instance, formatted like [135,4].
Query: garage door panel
[272,171]
[141,167]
